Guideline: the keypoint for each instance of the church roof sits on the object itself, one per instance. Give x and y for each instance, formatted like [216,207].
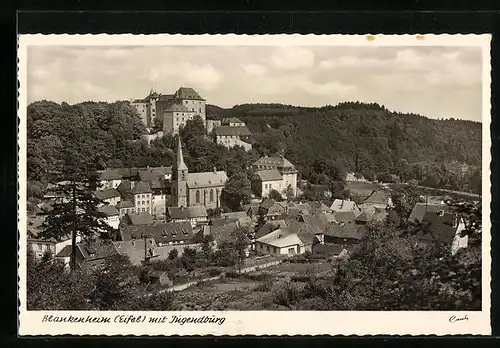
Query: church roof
[207,179]
[187,93]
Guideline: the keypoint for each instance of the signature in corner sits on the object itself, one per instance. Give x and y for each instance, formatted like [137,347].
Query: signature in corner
[454,319]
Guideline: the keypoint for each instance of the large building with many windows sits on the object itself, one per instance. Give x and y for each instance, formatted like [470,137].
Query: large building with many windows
[172,109]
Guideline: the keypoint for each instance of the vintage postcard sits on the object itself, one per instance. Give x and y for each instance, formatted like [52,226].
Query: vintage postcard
[264,185]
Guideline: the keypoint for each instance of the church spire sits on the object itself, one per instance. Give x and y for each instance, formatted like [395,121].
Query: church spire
[180,159]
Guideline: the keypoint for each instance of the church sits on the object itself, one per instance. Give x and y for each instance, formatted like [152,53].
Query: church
[194,189]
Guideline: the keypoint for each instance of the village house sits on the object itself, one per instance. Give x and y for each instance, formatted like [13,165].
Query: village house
[272,209]
[137,250]
[328,252]
[376,204]
[197,189]
[265,174]
[92,255]
[142,197]
[344,217]
[112,215]
[109,196]
[137,219]
[231,136]
[125,207]
[344,205]
[211,124]
[196,215]
[109,178]
[346,234]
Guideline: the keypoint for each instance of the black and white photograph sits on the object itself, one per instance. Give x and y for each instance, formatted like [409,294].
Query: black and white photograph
[273,175]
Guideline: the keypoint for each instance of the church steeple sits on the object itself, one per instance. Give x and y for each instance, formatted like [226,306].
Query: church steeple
[180,159]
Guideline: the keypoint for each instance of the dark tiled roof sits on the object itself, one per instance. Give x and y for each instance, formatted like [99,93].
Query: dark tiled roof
[187,212]
[109,210]
[277,162]
[141,187]
[325,250]
[94,251]
[107,193]
[231,131]
[65,252]
[231,120]
[165,97]
[378,197]
[419,210]
[110,174]
[124,204]
[268,175]
[346,231]
[187,93]
[363,217]
[270,227]
[142,218]
[171,232]
[437,227]
[222,221]
[344,216]
[266,203]
[207,179]
[223,232]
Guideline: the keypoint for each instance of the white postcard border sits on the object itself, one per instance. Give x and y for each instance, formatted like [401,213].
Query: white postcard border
[260,322]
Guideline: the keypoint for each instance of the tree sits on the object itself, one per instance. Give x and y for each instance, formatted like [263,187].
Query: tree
[369,175]
[193,129]
[172,255]
[189,259]
[261,221]
[275,195]
[236,191]
[404,199]
[288,192]
[240,244]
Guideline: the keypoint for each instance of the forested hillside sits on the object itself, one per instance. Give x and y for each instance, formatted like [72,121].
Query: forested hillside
[365,138]
[322,142]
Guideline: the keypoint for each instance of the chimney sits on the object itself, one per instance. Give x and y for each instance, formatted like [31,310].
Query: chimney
[280,235]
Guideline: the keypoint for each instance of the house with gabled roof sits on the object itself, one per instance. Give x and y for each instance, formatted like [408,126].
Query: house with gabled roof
[112,215]
[231,136]
[343,205]
[196,215]
[109,178]
[143,196]
[109,196]
[267,169]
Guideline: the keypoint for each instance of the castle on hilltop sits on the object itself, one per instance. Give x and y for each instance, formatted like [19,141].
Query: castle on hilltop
[173,109]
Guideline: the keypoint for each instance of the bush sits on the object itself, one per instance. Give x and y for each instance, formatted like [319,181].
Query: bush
[258,276]
[231,274]
[286,293]
[212,272]
[264,286]
[173,254]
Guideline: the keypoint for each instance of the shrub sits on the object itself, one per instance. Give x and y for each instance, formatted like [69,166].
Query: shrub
[172,255]
[212,272]
[264,286]
[286,293]
[231,274]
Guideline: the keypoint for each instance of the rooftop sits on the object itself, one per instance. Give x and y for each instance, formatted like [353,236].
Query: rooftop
[346,231]
[141,187]
[142,218]
[109,210]
[231,131]
[269,175]
[343,205]
[187,212]
[107,194]
[207,179]
[419,210]
[124,204]
[274,161]
[110,174]
[187,93]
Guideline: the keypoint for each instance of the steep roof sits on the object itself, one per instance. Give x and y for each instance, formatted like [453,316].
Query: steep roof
[107,194]
[142,218]
[187,212]
[141,187]
[378,197]
[135,249]
[346,231]
[231,131]
[343,205]
[266,203]
[437,227]
[274,161]
[110,174]
[280,239]
[65,252]
[124,204]
[187,93]
[363,217]
[269,175]
[222,221]
[171,232]
[325,250]
[207,179]
[95,251]
[269,227]
[154,173]
[108,210]
[231,120]
[165,97]
[419,210]
[344,216]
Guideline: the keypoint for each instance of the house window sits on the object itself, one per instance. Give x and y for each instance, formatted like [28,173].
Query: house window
[197,196]
[265,186]
[267,247]
[211,195]
[143,209]
[147,202]
[147,209]
[142,202]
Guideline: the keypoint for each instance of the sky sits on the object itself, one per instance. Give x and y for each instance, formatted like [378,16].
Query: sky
[437,82]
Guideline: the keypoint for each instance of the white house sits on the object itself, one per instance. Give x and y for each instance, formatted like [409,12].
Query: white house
[459,241]
[264,181]
[110,178]
[278,243]
[112,215]
[108,196]
[286,170]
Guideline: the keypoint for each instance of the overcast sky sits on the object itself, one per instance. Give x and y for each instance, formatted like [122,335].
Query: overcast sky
[435,82]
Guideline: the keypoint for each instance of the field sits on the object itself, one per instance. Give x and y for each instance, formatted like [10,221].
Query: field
[249,291]
[363,189]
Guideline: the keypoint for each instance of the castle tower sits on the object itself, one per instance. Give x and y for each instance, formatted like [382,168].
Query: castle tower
[181,178]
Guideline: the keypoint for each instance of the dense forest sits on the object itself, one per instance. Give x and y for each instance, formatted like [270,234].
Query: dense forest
[367,139]
[323,142]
